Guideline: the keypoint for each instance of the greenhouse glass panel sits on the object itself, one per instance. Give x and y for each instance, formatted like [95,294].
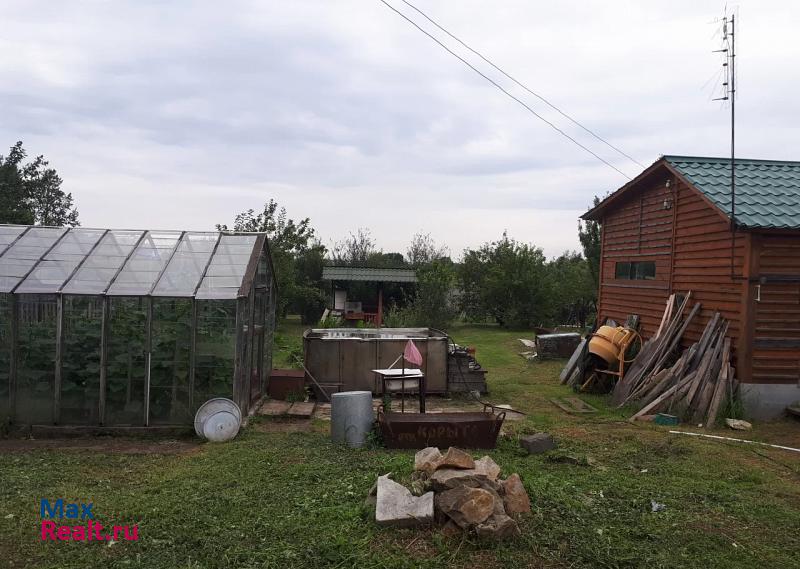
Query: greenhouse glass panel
[126,370]
[257,384]
[9,234]
[270,329]
[247,361]
[48,276]
[5,355]
[20,257]
[186,268]
[215,350]
[103,263]
[228,266]
[80,360]
[170,399]
[145,264]
[37,316]
[61,261]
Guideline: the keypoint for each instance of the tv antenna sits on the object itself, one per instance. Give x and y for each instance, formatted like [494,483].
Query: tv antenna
[728,51]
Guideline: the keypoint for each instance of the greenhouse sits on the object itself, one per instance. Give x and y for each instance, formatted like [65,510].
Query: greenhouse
[131,328]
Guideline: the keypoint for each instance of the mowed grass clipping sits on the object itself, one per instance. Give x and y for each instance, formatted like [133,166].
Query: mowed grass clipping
[296,500]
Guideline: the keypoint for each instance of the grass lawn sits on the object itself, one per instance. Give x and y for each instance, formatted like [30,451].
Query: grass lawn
[294,500]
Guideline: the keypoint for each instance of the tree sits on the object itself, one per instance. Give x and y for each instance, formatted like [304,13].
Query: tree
[507,281]
[589,236]
[573,291]
[423,249]
[297,255]
[284,234]
[354,250]
[433,304]
[31,193]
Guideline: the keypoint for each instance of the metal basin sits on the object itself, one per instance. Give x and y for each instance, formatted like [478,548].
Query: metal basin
[420,430]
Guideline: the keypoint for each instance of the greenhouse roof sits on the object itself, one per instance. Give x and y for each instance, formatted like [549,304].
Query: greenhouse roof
[123,262]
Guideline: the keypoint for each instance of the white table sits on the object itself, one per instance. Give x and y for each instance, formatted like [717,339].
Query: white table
[398,379]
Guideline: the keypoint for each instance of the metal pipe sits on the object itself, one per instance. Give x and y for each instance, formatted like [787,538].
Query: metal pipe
[59,357]
[719,438]
[192,353]
[732,86]
[103,360]
[148,356]
[12,393]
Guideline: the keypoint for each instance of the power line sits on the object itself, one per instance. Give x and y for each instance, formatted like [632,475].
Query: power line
[493,82]
[535,94]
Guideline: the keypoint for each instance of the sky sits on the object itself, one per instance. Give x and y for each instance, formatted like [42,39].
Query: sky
[180,114]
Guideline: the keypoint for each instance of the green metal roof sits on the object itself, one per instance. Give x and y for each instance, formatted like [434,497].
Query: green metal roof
[370,274]
[767,191]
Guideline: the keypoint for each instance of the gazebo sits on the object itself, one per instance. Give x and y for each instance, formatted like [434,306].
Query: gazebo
[377,275]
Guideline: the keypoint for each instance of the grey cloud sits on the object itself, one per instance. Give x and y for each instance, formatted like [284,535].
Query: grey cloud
[335,107]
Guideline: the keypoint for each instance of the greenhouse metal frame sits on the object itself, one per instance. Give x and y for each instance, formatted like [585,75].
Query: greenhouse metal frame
[131,328]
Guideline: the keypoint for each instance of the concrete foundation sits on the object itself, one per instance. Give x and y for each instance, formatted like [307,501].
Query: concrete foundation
[768,400]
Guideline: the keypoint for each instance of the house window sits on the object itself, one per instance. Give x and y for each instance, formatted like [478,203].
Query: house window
[638,270]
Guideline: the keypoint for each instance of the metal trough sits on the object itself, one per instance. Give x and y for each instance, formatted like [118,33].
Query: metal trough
[420,430]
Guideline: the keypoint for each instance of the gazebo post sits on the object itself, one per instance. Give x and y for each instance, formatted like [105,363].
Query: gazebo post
[379,316]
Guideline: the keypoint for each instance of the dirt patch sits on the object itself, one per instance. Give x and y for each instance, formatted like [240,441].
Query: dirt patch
[785,432]
[102,444]
[284,426]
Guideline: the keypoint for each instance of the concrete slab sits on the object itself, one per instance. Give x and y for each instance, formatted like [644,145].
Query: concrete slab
[323,411]
[274,407]
[764,401]
[396,506]
[301,409]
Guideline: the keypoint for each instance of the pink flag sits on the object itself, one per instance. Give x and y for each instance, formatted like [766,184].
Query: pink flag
[411,354]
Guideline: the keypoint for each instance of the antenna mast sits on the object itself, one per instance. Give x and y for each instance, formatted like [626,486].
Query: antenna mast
[729,85]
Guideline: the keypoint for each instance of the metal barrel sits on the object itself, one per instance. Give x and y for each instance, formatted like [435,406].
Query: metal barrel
[351,417]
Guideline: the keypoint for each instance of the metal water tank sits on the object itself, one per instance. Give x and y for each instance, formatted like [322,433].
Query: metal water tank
[351,417]
[218,420]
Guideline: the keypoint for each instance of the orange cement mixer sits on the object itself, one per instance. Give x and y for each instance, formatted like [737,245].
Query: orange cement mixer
[611,343]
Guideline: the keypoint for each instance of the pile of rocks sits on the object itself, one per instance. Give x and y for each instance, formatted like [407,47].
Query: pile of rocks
[455,491]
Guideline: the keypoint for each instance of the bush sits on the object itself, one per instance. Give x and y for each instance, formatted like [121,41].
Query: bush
[432,305]
[506,280]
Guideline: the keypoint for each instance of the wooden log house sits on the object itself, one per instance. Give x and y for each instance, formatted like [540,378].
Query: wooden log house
[669,230]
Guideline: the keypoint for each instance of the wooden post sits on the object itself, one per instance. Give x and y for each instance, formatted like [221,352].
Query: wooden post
[379,317]
[747,313]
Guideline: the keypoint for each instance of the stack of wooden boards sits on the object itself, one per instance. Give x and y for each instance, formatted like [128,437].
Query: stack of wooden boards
[692,385]
[573,373]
